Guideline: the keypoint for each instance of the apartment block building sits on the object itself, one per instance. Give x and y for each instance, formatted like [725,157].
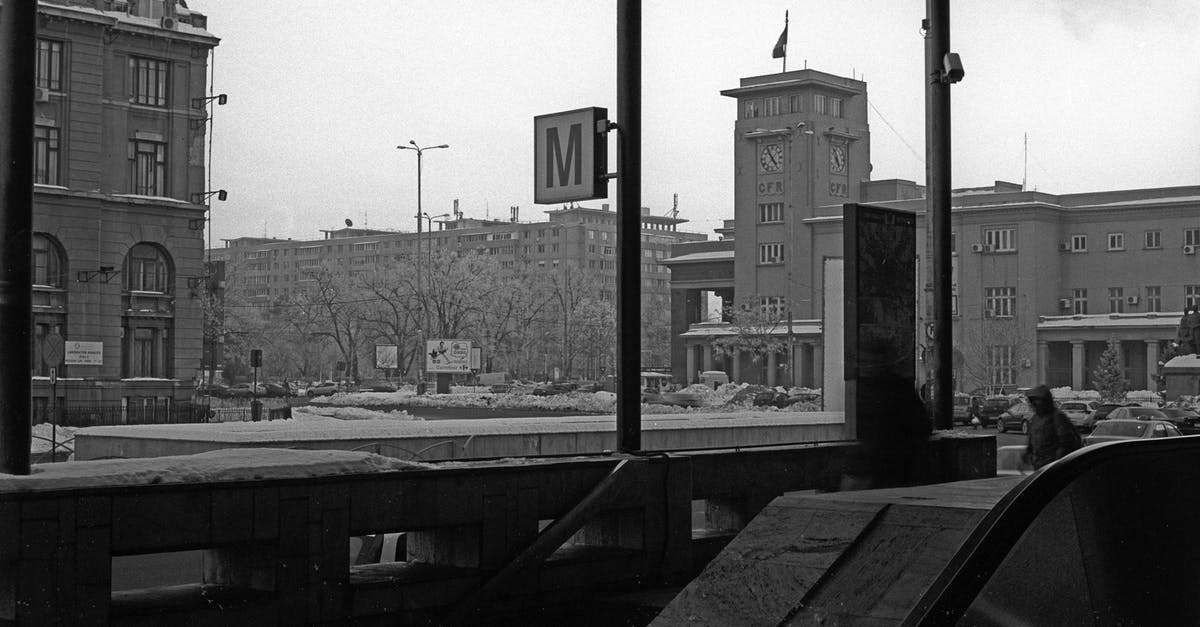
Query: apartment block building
[264,270]
[119,201]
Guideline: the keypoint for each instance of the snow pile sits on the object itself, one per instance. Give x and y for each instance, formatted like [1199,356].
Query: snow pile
[352,413]
[223,465]
[42,434]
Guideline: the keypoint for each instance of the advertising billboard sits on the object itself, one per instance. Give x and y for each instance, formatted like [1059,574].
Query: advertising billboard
[442,355]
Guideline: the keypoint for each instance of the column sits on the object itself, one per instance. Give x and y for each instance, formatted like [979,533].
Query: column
[690,352]
[737,366]
[772,365]
[1077,364]
[818,360]
[706,357]
[1043,361]
[1151,365]
[798,366]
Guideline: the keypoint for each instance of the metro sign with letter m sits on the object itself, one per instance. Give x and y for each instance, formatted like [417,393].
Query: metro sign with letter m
[570,155]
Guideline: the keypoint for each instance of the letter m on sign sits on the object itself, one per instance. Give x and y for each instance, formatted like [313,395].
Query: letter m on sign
[560,164]
[570,156]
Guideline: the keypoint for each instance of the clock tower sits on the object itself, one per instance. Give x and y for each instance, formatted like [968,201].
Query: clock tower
[801,141]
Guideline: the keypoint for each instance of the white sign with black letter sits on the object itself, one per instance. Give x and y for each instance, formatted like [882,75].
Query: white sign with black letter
[570,155]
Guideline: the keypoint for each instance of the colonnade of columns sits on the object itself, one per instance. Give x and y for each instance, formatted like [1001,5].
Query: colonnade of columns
[700,358]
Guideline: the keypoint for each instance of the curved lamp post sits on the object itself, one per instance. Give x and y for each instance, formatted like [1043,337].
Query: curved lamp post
[420,152]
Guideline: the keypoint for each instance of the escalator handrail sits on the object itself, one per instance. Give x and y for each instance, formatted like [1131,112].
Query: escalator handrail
[990,542]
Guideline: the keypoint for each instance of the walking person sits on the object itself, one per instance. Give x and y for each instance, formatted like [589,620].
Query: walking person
[1051,434]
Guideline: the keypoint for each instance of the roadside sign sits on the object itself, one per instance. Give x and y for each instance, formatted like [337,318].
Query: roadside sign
[570,155]
[84,353]
[447,355]
[53,350]
[386,356]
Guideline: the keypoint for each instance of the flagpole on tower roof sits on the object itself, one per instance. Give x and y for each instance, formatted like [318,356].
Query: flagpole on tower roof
[780,49]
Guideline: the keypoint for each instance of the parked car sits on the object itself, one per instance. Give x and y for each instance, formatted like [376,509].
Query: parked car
[1136,412]
[992,407]
[550,389]
[217,390]
[1116,429]
[1078,412]
[966,408]
[1101,413]
[1015,418]
[324,388]
[678,399]
[245,390]
[1185,419]
[277,390]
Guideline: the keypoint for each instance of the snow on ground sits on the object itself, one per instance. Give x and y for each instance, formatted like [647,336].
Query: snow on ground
[223,465]
[42,434]
[592,402]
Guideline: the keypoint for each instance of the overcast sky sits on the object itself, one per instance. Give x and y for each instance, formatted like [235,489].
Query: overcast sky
[322,92]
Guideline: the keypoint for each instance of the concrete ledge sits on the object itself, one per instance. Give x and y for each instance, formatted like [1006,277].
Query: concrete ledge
[463,439]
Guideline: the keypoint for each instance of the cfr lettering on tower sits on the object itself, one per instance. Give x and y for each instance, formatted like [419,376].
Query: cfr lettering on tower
[570,155]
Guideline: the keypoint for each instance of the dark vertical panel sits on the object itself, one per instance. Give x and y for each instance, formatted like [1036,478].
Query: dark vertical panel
[629,203]
[18,38]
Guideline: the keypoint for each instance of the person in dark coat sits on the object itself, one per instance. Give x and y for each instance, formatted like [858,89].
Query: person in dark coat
[1051,434]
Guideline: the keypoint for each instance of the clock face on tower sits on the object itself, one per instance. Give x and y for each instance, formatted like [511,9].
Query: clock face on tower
[771,158]
[837,158]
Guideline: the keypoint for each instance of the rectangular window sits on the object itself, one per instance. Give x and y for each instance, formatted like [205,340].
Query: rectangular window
[752,107]
[152,9]
[1116,241]
[1079,301]
[794,103]
[772,307]
[146,351]
[1079,243]
[149,168]
[771,106]
[953,243]
[770,212]
[835,107]
[49,65]
[770,253]
[1000,301]
[1116,300]
[1191,237]
[1153,239]
[45,155]
[608,250]
[148,81]
[819,106]
[1191,296]
[1001,366]
[1153,298]
[1000,239]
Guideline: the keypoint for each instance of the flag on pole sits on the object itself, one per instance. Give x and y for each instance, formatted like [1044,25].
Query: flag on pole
[780,50]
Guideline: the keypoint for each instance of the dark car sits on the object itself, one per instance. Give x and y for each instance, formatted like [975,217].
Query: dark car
[1185,419]
[1015,418]
[991,408]
[550,389]
[1136,412]
[277,390]
[1116,429]
[218,390]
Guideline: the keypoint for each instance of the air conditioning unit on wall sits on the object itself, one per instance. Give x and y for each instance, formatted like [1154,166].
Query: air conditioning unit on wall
[1131,300]
[1064,303]
[41,94]
[1065,247]
[1189,250]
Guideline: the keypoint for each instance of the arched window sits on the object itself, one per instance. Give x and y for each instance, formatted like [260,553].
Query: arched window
[49,300]
[147,270]
[147,333]
[49,262]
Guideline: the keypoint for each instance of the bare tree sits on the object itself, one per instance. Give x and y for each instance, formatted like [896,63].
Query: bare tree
[758,331]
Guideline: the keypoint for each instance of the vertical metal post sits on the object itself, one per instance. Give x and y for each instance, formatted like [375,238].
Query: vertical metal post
[18,41]
[937,148]
[629,202]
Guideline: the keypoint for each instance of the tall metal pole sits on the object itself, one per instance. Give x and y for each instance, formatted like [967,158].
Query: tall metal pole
[629,202]
[420,152]
[18,40]
[937,148]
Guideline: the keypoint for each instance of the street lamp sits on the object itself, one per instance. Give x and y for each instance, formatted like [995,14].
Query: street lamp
[429,244]
[420,151]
